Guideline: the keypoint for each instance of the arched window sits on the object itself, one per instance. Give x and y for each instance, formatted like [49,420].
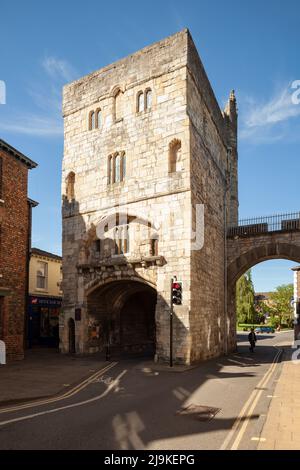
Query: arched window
[148,98]
[140,101]
[98,118]
[92,120]
[118,105]
[70,186]
[174,156]
[118,168]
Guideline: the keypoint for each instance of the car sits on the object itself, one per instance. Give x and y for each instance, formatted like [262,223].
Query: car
[264,329]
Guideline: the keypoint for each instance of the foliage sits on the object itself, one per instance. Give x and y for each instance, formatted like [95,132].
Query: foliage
[245,299]
[282,310]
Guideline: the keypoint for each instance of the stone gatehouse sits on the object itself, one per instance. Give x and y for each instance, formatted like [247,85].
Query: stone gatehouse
[146,149]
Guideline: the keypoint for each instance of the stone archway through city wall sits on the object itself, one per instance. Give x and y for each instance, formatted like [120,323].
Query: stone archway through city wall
[121,318]
[246,259]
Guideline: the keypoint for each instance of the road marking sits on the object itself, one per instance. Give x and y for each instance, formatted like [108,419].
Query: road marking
[259,439]
[247,405]
[64,396]
[254,403]
[113,384]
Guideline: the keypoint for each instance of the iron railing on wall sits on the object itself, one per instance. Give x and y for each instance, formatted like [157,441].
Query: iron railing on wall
[259,225]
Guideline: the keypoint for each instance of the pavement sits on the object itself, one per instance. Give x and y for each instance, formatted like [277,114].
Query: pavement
[135,404]
[44,372]
[282,427]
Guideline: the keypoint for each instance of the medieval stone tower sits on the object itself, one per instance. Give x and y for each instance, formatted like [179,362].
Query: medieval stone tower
[149,187]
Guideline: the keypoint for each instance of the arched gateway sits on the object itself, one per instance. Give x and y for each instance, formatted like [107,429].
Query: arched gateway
[122,317]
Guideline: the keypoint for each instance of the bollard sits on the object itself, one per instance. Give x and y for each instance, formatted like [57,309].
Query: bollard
[2,353]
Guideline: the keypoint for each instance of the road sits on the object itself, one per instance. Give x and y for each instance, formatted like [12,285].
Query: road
[131,405]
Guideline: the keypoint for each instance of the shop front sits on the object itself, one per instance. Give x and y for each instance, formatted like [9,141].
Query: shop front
[43,321]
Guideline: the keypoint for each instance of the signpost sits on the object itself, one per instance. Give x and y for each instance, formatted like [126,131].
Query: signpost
[175,298]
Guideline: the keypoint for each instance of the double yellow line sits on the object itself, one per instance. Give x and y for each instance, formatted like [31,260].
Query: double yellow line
[65,395]
[247,410]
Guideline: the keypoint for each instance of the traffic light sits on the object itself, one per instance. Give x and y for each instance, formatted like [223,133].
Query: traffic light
[177,292]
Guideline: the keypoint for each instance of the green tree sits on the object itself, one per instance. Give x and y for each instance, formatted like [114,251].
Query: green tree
[245,299]
[281,303]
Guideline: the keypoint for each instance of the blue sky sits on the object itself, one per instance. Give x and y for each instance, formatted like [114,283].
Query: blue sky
[251,46]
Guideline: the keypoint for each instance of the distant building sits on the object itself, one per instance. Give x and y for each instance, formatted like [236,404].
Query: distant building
[15,229]
[297,300]
[45,297]
[263,297]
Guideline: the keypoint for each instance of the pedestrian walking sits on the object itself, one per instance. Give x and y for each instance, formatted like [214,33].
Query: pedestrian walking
[252,340]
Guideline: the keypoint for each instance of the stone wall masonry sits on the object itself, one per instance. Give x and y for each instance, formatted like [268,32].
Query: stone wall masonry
[183,108]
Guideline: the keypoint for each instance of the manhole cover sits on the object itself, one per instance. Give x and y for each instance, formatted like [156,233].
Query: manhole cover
[201,413]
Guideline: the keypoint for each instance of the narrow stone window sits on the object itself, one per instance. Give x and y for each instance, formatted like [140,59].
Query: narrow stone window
[118,105]
[92,120]
[110,169]
[123,172]
[140,102]
[174,156]
[98,118]
[148,98]
[70,186]
[98,246]
[126,239]
[121,235]
[118,168]
[154,247]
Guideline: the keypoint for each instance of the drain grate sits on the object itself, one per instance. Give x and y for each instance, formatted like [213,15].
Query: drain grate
[199,412]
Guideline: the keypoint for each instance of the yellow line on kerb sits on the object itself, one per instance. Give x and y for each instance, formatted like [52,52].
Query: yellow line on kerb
[249,406]
[65,395]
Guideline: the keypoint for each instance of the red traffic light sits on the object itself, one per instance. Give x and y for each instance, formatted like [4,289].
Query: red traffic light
[176,285]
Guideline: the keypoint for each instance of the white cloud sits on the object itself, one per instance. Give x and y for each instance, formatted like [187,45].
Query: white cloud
[59,69]
[44,118]
[268,121]
[40,126]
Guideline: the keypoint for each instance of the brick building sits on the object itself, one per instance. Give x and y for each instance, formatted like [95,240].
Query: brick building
[15,226]
[147,148]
